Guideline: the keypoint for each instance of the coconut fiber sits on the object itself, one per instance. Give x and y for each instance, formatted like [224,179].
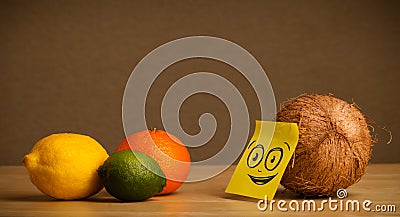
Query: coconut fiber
[334,145]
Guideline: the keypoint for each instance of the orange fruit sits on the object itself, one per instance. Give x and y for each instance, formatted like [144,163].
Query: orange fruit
[169,152]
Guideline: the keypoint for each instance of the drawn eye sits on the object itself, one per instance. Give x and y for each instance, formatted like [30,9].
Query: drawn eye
[273,158]
[255,156]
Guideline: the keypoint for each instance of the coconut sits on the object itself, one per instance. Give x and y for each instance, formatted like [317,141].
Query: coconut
[334,145]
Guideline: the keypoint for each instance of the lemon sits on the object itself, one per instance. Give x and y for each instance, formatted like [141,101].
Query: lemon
[132,176]
[64,165]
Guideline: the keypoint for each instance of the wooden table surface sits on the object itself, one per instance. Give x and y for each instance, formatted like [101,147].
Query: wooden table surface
[18,197]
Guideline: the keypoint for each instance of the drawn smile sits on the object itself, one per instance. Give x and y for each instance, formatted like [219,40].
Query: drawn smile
[261,180]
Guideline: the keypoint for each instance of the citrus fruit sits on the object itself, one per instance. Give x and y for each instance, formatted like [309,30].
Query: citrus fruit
[64,165]
[131,176]
[169,152]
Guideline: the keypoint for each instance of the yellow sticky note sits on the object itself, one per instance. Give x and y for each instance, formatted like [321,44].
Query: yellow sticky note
[264,160]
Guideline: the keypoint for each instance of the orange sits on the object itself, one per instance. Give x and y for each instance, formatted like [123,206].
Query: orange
[169,152]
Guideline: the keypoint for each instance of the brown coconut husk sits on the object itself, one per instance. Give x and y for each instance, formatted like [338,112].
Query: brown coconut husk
[334,145]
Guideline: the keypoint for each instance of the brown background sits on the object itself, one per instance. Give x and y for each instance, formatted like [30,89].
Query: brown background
[64,64]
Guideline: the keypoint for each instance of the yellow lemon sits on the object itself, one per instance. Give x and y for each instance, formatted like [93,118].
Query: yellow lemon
[64,166]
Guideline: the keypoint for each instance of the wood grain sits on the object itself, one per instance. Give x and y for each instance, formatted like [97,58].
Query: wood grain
[18,197]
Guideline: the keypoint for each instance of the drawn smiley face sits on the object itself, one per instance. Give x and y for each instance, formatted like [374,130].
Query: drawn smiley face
[264,160]
[263,170]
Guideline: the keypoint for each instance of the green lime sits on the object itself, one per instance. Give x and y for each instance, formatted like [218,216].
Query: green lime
[127,175]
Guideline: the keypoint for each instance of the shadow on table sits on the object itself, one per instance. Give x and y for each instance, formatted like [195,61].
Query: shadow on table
[281,194]
[30,198]
[104,197]
[101,197]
